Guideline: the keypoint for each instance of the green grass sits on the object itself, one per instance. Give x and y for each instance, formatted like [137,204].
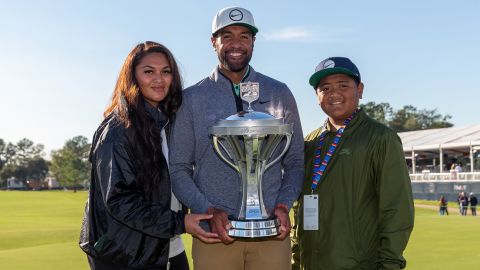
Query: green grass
[443,242]
[426,202]
[39,230]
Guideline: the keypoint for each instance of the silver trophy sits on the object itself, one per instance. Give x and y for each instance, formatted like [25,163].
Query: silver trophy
[246,141]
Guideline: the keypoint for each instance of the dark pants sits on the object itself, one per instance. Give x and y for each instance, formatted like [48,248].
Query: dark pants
[178,262]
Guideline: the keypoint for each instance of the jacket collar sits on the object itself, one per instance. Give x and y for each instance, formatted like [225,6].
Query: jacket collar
[223,81]
[161,120]
[359,118]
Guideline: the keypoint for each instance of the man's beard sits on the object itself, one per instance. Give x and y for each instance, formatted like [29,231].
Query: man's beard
[235,66]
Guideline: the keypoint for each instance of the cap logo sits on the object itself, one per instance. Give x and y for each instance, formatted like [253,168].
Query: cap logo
[235,15]
[328,64]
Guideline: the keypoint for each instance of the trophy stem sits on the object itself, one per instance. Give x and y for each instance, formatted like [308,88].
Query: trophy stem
[249,109]
[255,208]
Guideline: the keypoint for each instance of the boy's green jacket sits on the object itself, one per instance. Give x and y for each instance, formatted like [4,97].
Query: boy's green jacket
[366,211]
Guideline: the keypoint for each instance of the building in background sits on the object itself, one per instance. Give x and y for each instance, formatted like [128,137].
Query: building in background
[443,161]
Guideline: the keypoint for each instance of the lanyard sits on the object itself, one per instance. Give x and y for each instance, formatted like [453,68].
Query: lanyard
[319,168]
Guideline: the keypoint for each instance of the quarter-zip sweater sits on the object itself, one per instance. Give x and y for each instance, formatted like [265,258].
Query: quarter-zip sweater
[200,179]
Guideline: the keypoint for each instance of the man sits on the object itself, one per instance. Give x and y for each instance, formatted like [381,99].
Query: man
[473,204]
[206,184]
[356,210]
[463,203]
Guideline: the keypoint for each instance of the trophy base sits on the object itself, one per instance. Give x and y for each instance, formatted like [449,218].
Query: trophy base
[254,228]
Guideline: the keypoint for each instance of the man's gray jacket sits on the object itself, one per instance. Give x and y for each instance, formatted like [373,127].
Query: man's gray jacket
[200,179]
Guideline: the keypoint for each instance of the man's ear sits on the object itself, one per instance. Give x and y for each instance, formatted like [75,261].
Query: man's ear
[360,90]
[214,42]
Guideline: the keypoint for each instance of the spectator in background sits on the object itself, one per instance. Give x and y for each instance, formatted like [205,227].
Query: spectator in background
[473,204]
[458,203]
[454,173]
[458,168]
[452,167]
[443,206]
[462,203]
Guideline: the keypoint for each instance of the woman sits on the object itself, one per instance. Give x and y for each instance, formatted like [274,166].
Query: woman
[128,221]
[443,203]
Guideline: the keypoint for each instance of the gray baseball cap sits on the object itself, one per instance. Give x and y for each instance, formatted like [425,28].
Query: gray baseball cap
[233,16]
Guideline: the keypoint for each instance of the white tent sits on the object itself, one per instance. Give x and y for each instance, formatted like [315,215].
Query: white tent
[437,142]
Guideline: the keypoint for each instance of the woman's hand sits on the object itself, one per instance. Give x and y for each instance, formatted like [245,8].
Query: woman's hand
[192,226]
[220,225]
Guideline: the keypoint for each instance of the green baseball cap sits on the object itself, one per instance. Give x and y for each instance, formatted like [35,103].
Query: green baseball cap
[334,65]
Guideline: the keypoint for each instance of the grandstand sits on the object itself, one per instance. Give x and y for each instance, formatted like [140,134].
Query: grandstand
[430,154]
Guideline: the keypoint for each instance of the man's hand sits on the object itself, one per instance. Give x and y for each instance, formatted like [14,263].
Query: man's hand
[281,211]
[192,226]
[220,225]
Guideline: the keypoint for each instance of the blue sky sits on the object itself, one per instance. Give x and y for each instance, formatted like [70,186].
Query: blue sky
[59,60]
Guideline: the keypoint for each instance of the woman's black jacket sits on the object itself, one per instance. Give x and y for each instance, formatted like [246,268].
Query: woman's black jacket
[121,226]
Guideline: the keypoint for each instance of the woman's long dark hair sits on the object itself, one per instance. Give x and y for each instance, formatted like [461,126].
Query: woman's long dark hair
[128,104]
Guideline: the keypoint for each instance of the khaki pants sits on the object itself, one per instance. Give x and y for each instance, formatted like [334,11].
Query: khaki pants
[242,255]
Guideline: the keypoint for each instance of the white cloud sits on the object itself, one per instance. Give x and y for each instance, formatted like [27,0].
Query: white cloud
[302,34]
[289,33]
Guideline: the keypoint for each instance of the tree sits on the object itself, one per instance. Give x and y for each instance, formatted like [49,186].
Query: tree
[7,152]
[3,158]
[410,118]
[23,161]
[406,119]
[380,112]
[35,168]
[70,165]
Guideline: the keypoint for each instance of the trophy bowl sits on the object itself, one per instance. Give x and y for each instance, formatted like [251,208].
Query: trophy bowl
[247,141]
